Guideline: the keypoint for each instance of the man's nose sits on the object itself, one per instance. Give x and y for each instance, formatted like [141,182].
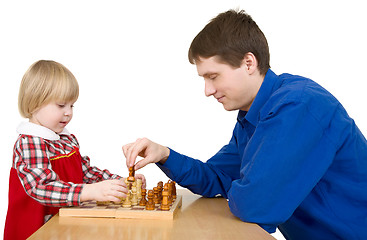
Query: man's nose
[209,88]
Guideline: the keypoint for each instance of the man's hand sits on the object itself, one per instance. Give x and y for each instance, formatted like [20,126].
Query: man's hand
[151,152]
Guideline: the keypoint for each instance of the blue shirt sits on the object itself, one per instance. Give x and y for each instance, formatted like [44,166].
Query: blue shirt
[296,161]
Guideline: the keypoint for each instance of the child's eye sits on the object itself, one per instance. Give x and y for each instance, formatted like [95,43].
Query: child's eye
[61,105]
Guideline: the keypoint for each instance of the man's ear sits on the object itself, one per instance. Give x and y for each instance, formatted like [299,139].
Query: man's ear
[250,63]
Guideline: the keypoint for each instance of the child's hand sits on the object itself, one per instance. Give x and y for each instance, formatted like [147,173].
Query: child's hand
[107,190]
[142,177]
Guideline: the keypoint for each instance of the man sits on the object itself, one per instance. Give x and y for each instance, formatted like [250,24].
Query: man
[296,160]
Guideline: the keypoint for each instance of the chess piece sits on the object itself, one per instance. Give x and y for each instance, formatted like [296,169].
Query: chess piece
[143,200]
[127,202]
[128,184]
[150,204]
[134,196]
[122,199]
[160,189]
[156,197]
[168,189]
[131,177]
[133,184]
[138,188]
[165,206]
[174,192]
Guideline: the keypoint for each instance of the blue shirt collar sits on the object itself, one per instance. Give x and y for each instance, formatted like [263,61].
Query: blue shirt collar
[270,84]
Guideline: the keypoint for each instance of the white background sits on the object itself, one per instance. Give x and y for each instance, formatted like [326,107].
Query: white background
[130,58]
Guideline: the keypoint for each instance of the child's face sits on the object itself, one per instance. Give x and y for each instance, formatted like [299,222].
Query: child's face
[55,115]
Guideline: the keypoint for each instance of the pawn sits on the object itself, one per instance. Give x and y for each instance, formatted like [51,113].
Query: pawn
[127,202]
[160,189]
[165,206]
[134,196]
[131,177]
[150,204]
[143,200]
[156,196]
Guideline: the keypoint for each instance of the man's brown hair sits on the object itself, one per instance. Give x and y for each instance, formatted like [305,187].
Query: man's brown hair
[230,36]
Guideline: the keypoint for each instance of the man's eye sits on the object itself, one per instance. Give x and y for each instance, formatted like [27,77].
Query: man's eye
[212,77]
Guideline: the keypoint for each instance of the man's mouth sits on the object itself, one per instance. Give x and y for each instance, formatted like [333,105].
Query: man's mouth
[220,99]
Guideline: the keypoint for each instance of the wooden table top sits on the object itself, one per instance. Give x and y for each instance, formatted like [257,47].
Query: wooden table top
[199,218]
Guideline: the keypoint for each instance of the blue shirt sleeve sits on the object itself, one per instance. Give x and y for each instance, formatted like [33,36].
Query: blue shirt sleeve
[285,158]
[208,179]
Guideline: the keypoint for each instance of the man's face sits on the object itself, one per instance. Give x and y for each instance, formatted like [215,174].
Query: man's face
[233,87]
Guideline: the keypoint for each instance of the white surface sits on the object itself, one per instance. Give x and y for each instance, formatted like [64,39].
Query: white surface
[131,62]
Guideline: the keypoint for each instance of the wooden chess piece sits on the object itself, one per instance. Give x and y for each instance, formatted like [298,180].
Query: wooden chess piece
[156,197]
[138,188]
[127,202]
[174,192]
[165,206]
[134,196]
[131,177]
[122,199]
[160,189]
[128,184]
[166,188]
[150,204]
[143,200]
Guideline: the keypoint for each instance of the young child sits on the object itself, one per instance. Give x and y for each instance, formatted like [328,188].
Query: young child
[48,171]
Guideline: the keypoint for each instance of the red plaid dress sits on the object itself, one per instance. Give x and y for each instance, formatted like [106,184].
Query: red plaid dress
[47,172]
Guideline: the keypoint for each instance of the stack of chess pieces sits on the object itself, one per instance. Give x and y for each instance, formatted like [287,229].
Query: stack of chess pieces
[161,195]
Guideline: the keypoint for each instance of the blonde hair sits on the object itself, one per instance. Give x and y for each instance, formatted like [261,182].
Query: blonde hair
[44,82]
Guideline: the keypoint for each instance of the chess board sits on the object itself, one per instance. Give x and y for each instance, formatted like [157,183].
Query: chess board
[91,209]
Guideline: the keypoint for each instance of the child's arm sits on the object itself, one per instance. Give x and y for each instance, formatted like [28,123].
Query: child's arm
[93,174]
[42,184]
[37,177]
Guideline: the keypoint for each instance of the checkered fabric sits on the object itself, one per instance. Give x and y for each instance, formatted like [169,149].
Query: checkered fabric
[31,159]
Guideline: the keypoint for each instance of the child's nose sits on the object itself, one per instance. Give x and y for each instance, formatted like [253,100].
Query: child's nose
[68,112]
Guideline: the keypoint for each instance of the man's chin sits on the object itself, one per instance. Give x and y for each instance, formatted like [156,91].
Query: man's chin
[229,108]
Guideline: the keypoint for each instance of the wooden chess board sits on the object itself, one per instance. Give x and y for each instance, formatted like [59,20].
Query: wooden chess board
[91,209]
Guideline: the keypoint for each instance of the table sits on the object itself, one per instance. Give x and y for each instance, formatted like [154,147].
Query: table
[199,218]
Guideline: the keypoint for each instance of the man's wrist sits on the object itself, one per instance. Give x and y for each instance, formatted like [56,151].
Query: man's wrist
[166,155]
